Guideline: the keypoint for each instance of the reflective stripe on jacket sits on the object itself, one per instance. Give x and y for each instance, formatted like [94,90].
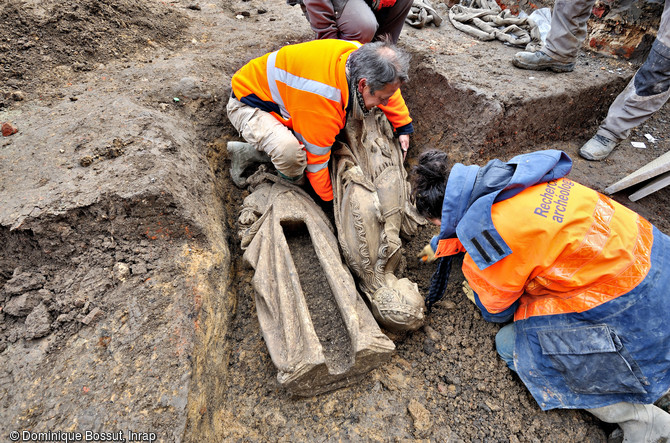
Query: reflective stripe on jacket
[572,249]
[305,87]
[585,278]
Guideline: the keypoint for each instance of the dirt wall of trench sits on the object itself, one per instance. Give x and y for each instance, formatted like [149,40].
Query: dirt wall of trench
[485,123]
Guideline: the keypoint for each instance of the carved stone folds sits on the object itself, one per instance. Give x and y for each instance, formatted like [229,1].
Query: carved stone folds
[307,363]
[318,330]
[372,208]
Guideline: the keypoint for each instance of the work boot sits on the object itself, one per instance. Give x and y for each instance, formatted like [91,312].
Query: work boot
[242,156]
[539,61]
[598,148]
[639,423]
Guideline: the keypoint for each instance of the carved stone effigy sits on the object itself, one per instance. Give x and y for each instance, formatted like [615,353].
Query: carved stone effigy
[372,207]
[321,335]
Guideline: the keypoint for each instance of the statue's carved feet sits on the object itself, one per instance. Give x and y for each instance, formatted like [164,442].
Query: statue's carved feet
[398,307]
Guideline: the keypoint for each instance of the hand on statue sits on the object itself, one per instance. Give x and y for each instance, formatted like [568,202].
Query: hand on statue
[427,255]
[404,144]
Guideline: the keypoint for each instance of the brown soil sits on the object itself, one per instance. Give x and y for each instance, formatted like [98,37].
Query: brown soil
[38,37]
[326,318]
[131,307]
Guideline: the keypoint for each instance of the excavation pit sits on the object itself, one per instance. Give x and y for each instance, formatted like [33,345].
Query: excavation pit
[116,196]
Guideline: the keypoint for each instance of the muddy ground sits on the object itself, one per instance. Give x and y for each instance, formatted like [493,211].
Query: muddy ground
[125,303]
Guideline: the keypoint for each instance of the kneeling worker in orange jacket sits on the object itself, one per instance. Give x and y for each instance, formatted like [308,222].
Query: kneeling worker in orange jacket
[291,104]
[584,278]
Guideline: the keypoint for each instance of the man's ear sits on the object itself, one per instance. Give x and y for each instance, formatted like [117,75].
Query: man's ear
[361,84]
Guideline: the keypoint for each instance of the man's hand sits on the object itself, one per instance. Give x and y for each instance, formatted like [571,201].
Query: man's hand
[404,144]
[427,254]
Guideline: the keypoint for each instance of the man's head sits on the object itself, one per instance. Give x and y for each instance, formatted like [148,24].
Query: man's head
[378,69]
[429,180]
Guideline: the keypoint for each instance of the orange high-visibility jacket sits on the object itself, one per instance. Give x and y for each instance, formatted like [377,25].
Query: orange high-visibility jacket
[573,249]
[305,87]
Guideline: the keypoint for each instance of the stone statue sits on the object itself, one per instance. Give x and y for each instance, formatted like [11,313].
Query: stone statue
[319,332]
[372,208]
[318,329]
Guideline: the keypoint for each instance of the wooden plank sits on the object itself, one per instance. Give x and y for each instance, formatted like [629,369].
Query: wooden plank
[652,169]
[656,184]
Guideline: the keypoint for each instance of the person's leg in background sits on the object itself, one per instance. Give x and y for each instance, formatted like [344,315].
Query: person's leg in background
[357,22]
[566,35]
[646,93]
[391,19]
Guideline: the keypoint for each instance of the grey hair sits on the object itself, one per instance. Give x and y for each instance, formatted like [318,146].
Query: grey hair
[380,63]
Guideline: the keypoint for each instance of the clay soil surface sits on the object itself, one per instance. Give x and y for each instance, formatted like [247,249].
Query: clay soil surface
[125,300]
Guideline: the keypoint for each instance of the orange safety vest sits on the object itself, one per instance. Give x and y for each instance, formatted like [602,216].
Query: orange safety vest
[572,249]
[308,84]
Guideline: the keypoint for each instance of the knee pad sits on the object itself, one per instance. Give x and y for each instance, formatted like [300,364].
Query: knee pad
[653,77]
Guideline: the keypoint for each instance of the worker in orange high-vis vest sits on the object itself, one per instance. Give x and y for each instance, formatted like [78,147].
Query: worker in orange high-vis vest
[584,278]
[291,104]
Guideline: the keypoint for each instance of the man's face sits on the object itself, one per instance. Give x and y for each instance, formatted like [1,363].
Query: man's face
[380,97]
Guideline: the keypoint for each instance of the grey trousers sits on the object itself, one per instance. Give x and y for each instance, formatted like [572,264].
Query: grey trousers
[568,29]
[268,135]
[648,90]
